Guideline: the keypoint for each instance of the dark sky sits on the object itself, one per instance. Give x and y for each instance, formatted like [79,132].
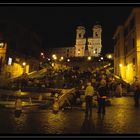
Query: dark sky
[56,24]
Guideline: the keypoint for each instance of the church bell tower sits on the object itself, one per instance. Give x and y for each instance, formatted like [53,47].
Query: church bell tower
[80,41]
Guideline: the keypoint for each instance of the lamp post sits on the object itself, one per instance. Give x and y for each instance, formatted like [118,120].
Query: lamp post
[54,58]
[109,56]
[89,58]
[120,65]
[24,67]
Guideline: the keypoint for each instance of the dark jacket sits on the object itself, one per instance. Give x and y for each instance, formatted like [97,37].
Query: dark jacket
[102,91]
[137,93]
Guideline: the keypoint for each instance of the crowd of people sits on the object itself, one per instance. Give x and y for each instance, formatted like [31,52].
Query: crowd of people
[99,82]
[78,79]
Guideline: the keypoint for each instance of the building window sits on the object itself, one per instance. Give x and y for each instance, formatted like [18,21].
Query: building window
[133,42]
[115,41]
[125,49]
[125,31]
[78,51]
[132,23]
[96,34]
[118,53]
[133,61]
[95,51]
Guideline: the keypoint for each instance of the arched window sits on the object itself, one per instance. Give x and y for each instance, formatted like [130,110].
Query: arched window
[96,34]
[80,35]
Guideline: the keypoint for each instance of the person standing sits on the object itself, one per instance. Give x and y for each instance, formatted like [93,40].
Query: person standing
[101,96]
[88,97]
[136,96]
[119,90]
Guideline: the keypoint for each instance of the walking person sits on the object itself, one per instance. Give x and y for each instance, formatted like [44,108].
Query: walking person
[88,97]
[101,96]
[136,96]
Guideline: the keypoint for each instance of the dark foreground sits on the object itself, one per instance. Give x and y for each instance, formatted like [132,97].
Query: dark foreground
[120,118]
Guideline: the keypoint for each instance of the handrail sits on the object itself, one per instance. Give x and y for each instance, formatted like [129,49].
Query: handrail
[63,98]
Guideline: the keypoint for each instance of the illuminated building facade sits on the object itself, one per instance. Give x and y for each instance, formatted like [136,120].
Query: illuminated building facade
[80,41]
[3,48]
[127,48]
[65,52]
[93,44]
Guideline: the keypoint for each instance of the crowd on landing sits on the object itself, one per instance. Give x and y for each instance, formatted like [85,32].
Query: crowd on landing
[70,78]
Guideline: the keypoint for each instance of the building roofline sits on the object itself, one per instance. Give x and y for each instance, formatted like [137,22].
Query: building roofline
[117,30]
[133,12]
[60,48]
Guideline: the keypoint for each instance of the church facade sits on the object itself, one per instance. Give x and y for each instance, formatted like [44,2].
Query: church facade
[93,44]
[90,46]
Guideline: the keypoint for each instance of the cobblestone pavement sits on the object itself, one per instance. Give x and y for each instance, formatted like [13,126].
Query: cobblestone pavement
[121,118]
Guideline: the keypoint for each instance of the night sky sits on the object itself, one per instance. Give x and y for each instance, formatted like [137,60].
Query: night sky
[56,24]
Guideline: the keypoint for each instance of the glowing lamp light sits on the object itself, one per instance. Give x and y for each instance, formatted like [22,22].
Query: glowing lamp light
[68,60]
[62,58]
[24,63]
[10,61]
[89,58]
[55,58]
[120,65]
[109,56]
[42,54]
[1,44]
[53,55]
[78,51]
[102,58]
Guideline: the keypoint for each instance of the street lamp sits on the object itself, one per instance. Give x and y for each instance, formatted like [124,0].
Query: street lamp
[120,65]
[24,64]
[109,56]
[120,69]
[42,54]
[102,58]
[89,58]
[54,56]
[62,58]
